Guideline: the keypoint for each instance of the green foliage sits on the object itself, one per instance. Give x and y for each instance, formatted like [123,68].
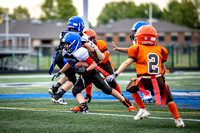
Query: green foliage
[3,10]
[121,10]
[57,9]
[115,11]
[184,13]
[20,13]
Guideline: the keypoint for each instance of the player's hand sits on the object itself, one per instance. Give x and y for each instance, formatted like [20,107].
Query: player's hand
[114,46]
[93,45]
[111,77]
[81,70]
[56,75]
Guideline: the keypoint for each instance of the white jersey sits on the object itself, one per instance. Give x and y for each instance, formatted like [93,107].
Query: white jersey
[80,54]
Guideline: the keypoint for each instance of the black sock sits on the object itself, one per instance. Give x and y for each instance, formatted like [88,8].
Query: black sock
[61,92]
[56,87]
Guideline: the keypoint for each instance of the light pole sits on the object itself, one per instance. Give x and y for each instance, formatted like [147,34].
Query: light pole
[85,14]
[7,27]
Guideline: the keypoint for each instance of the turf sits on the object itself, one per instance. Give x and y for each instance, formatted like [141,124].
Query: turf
[41,115]
[32,115]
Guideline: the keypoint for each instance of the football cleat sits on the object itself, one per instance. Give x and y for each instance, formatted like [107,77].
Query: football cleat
[88,98]
[58,99]
[129,104]
[142,113]
[179,123]
[51,91]
[148,99]
[82,108]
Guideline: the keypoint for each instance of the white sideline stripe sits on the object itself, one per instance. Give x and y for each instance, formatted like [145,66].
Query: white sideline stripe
[133,74]
[102,114]
[23,76]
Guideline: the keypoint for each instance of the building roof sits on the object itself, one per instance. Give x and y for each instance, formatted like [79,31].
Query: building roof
[51,29]
[36,28]
[125,25]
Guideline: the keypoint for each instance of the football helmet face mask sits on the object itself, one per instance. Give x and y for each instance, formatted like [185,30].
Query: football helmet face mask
[73,40]
[75,22]
[91,34]
[146,35]
[135,27]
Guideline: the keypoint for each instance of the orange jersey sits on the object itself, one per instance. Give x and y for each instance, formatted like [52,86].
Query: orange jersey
[103,48]
[149,59]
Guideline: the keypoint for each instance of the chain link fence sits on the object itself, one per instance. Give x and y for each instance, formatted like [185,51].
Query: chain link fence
[178,57]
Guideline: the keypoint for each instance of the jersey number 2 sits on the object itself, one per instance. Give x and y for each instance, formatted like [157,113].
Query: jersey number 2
[153,63]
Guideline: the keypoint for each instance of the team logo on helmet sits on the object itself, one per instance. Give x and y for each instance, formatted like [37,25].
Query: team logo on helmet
[147,35]
[76,22]
[73,40]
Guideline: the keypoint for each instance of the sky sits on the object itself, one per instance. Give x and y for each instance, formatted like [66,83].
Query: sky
[94,6]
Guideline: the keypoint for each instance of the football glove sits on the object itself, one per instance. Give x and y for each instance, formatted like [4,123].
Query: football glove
[81,70]
[93,45]
[111,77]
[56,75]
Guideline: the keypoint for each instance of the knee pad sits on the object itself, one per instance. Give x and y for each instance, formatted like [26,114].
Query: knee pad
[132,87]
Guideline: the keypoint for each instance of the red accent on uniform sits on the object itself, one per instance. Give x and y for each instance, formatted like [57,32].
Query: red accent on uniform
[156,89]
[102,71]
[164,96]
[89,60]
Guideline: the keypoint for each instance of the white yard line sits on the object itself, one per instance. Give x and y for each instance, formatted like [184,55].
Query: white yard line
[101,114]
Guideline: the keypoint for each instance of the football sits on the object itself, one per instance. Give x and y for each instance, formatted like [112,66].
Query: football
[78,64]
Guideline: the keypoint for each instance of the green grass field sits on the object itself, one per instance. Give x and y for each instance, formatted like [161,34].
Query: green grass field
[41,115]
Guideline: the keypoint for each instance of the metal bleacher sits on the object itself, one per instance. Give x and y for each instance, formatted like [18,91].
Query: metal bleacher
[15,51]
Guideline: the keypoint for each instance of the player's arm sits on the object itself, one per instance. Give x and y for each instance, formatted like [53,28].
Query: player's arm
[120,49]
[100,55]
[164,59]
[94,48]
[65,67]
[83,70]
[89,47]
[92,65]
[165,69]
[124,65]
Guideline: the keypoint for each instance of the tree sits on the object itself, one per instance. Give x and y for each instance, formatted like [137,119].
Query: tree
[20,13]
[116,11]
[184,13]
[121,10]
[2,12]
[57,9]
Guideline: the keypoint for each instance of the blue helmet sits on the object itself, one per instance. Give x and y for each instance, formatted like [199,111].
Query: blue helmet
[137,25]
[76,22]
[134,29]
[73,40]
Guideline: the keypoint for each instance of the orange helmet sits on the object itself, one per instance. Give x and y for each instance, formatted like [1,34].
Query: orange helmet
[91,33]
[146,35]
